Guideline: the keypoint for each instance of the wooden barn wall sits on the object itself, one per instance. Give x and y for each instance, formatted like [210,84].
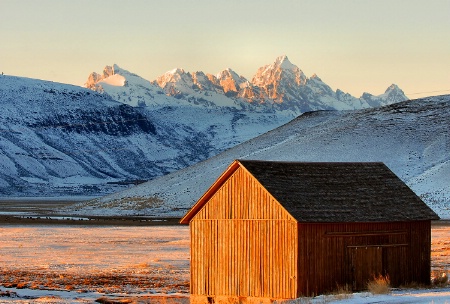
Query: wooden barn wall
[336,255]
[247,258]
[243,244]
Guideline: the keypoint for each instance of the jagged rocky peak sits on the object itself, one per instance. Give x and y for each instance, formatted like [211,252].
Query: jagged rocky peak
[393,88]
[229,73]
[394,94]
[319,87]
[282,70]
[284,63]
[315,77]
[94,78]
[172,76]
[200,78]
[342,96]
[213,79]
[176,82]
[274,79]
[205,82]
[366,95]
[108,71]
[280,82]
[229,80]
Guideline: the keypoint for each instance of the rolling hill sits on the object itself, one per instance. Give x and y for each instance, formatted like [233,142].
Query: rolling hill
[412,138]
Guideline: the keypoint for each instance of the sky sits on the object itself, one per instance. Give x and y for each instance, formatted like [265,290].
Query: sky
[353,45]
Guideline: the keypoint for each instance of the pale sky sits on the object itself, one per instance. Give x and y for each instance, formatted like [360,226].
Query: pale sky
[354,45]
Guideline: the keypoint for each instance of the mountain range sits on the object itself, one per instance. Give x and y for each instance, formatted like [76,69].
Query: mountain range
[280,86]
[64,140]
[412,138]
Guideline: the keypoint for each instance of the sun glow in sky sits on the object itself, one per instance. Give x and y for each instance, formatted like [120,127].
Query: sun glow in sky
[353,45]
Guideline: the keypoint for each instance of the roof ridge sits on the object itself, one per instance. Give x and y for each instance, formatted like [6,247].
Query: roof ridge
[330,191]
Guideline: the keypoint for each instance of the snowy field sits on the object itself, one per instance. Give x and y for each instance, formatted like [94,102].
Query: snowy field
[80,264]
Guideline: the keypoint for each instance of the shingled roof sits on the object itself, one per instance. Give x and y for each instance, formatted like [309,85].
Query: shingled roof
[339,192]
[330,192]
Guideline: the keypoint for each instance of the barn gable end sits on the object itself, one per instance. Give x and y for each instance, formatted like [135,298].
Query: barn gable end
[239,238]
[241,196]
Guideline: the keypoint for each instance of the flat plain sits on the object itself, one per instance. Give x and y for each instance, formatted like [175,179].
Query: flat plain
[86,262]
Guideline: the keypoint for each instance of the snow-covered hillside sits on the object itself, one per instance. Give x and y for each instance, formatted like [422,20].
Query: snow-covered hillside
[412,138]
[62,140]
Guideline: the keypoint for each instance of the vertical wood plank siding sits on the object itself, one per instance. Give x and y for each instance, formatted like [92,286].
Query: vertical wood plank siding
[332,255]
[243,243]
[251,258]
[242,197]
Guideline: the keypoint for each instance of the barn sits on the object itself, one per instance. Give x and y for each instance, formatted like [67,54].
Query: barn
[270,230]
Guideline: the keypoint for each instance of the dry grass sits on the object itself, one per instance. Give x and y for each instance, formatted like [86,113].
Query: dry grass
[140,266]
[106,282]
[379,285]
[126,203]
[439,278]
[343,292]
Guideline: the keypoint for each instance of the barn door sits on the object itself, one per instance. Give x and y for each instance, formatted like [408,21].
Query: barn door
[365,263]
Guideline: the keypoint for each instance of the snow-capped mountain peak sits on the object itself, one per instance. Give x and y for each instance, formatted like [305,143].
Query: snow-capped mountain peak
[229,73]
[176,71]
[229,80]
[393,94]
[116,80]
[281,69]
[128,87]
[109,71]
[284,63]
[205,82]
[394,89]
[279,86]
[278,78]
[171,76]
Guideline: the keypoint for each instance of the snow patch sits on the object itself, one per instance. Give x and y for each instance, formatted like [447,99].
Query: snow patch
[114,80]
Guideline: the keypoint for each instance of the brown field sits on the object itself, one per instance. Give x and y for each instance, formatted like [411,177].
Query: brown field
[108,260]
[440,248]
[104,260]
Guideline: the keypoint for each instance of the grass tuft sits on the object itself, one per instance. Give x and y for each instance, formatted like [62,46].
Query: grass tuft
[343,292]
[439,278]
[379,285]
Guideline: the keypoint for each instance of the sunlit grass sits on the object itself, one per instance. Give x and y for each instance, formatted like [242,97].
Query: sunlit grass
[379,285]
[439,277]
